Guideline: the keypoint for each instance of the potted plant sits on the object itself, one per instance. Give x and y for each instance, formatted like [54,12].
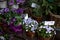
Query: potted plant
[30,26]
[13,19]
[45,32]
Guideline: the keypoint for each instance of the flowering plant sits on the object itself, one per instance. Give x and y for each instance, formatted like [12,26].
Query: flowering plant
[13,18]
[30,25]
[12,2]
[46,31]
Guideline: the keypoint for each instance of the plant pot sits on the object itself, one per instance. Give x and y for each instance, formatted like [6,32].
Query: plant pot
[30,34]
[41,38]
[55,18]
[29,11]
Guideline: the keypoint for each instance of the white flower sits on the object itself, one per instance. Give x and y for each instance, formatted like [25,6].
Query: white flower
[50,35]
[26,30]
[46,32]
[26,25]
[2,38]
[32,25]
[44,27]
[15,6]
[55,32]
[26,17]
[29,26]
[41,27]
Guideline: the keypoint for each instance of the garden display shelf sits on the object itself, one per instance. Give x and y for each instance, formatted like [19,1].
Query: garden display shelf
[55,18]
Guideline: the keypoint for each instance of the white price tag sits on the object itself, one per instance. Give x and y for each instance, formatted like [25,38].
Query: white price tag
[49,23]
[3,4]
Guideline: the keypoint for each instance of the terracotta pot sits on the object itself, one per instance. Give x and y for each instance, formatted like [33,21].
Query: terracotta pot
[30,34]
[29,11]
[55,18]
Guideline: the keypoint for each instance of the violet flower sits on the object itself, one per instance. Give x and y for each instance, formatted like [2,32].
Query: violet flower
[16,28]
[6,9]
[11,2]
[20,1]
[12,20]
[19,11]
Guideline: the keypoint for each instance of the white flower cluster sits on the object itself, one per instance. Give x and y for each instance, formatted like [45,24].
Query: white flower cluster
[49,29]
[30,23]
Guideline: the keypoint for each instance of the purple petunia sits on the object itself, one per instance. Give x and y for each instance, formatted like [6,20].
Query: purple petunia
[11,2]
[6,9]
[20,1]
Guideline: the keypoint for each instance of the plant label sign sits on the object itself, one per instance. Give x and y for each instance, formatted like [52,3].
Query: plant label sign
[3,4]
[49,23]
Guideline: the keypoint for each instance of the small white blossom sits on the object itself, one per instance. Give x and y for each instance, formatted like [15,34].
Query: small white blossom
[15,6]
[46,32]
[50,35]
[41,27]
[29,26]
[26,17]
[26,30]
[55,32]
[26,25]
[32,25]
